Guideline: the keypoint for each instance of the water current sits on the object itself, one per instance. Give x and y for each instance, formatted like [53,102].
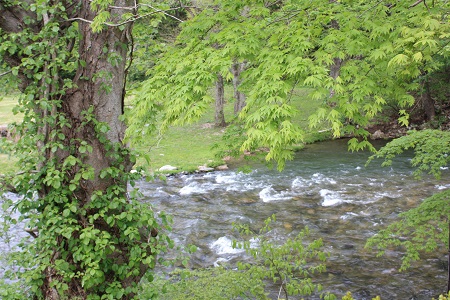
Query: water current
[326,188]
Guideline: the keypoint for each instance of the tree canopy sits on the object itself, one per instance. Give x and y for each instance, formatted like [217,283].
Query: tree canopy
[70,60]
[356,57]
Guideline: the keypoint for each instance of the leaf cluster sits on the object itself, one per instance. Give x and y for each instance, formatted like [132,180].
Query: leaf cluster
[421,229]
[431,151]
[290,265]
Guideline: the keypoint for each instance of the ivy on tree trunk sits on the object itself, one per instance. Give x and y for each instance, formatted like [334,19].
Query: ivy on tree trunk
[91,239]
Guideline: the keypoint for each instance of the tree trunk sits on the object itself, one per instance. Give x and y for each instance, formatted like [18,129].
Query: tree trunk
[428,102]
[335,68]
[220,102]
[236,69]
[88,124]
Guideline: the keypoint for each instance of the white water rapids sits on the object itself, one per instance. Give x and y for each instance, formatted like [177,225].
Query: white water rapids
[325,188]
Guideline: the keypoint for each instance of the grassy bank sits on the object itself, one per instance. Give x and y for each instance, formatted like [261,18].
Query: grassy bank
[7,103]
[190,146]
[186,147]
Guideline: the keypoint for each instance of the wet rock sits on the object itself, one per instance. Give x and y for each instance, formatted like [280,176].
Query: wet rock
[247,200]
[3,130]
[389,271]
[205,169]
[378,135]
[348,246]
[287,226]
[362,294]
[222,168]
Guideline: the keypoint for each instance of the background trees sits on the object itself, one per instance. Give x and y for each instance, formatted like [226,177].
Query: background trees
[384,50]
[358,60]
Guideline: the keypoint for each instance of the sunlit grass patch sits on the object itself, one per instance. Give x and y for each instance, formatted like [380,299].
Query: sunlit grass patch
[7,164]
[7,103]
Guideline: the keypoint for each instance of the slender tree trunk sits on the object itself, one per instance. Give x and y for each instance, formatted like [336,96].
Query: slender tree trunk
[236,69]
[335,68]
[428,102]
[220,102]
[448,258]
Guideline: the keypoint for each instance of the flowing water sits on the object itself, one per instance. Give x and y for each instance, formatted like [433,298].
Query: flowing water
[325,188]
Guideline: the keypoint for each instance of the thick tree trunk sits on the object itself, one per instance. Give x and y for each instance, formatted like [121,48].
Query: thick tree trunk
[220,102]
[236,69]
[100,87]
[97,93]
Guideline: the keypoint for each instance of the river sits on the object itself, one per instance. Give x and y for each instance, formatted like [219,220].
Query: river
[326,188]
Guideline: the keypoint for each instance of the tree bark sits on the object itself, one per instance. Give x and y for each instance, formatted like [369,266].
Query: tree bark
[236,69]
[428,102]
[98,85]
[335,68]
[220,102]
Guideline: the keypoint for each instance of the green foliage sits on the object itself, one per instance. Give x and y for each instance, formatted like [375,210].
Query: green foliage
[431,151]
[289,265]
[151,34]
[425,228]
[421,229]
[383,52]
[349,296]
[214,283]
[443,297]
[90,235]
[81,234]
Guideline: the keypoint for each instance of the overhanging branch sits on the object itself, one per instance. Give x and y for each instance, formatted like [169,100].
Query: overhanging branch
[5,73]
[134,17]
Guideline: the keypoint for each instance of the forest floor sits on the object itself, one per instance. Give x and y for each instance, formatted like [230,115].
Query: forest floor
[388,127]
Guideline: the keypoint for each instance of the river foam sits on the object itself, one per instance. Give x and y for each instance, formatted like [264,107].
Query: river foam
[330,197]
[224,245]
[269,194]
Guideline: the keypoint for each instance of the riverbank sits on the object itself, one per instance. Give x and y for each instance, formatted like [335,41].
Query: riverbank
[188,149]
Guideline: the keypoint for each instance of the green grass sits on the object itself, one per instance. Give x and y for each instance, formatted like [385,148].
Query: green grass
[7,104]
[190,146]
[186,147]
[7,164]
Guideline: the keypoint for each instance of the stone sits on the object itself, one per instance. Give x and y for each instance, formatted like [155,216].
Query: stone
[222,168]
[378,135]
[287,226]
[205,169]
[168,168]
